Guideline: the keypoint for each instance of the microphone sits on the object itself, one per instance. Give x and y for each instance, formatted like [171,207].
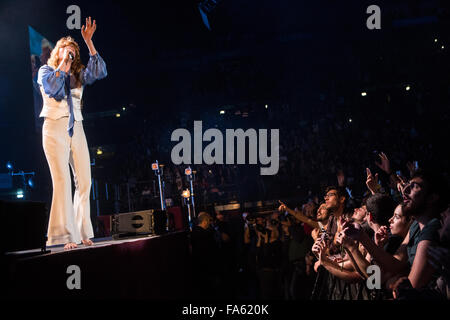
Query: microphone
[71,56]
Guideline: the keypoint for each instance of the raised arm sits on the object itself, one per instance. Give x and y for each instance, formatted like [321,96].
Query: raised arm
[335,268]
[389,263]
[96,67]
[299,216]
[357,259]
[87,32]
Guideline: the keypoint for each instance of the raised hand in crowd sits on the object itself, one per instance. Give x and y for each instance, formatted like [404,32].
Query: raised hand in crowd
[384,164]
[299,215]
[341,178]
[351,229]
[316,247]
[282,207]
[401,183]
[372,182]
[412,167]
[344,240]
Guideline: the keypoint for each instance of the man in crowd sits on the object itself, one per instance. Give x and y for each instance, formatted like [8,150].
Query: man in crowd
[204,257]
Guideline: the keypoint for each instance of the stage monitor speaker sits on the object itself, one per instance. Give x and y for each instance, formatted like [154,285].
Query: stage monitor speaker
[138,223]
[24,225]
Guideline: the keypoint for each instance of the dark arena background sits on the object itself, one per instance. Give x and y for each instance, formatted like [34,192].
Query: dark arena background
[357,91]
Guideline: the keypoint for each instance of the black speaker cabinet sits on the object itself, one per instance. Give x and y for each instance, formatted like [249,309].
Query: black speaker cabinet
[138,223]
[24,225]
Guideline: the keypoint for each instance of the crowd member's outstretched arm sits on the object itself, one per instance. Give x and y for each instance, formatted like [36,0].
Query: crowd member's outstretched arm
[357,259]
[298,215]
[389,263]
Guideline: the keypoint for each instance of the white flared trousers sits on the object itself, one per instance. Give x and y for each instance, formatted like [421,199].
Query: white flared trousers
[69,221]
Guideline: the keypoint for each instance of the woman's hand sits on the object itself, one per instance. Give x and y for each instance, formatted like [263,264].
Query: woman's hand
[66,62]
[381,236]
[351,230]
[88,31]
[346,241]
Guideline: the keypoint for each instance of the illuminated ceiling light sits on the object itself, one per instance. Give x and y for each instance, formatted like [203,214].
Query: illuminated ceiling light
[435,40]
[363,94]
[123,108]
[350,120]
[99,151]
[267,106]
[442,47]
[117,115]
[222,111]
[408,88]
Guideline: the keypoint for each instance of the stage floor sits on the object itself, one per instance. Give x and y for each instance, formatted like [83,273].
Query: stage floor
[98,242]
[150,267]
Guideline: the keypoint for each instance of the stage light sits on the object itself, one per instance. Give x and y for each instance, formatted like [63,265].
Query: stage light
[206,7]
[123,108]
[363,94]
[442,47]
[188,171]
[117,115]
[154,166]
[186,194]
[267,106]
[435,40]
[99,151]
[350,120]
[222,111]
[19,194]
[408,88]
[31,182]
[9,165]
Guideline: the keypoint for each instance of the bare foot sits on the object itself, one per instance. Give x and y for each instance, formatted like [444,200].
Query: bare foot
[70,245]
[87,242]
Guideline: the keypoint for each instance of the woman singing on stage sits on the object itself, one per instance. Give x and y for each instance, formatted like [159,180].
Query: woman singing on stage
[61,82]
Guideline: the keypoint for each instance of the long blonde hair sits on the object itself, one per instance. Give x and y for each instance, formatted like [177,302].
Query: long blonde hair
[76,66]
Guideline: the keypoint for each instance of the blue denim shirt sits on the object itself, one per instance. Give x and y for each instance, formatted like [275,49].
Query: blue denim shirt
[58,87]
[54,86]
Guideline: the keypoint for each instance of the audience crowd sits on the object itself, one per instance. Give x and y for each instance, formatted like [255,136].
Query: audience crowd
[392,243]
[361,215]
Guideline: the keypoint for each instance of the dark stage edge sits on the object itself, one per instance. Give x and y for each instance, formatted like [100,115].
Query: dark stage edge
[150,267]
